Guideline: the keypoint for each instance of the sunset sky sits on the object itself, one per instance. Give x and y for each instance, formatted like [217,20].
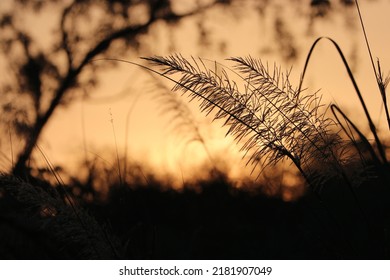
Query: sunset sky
[150,136]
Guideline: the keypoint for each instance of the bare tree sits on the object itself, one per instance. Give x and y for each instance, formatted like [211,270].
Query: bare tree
[46,78]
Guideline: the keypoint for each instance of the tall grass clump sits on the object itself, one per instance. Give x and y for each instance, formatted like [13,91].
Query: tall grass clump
[63,229]
[275,121]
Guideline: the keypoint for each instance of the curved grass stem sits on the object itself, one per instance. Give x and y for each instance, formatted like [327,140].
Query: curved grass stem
[371,124]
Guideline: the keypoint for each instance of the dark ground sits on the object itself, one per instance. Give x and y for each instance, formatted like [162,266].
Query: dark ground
[218,223]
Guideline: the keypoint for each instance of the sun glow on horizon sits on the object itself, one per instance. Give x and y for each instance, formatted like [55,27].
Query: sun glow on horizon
[143,132]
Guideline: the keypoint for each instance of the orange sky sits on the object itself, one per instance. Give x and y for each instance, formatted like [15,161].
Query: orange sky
[151,140]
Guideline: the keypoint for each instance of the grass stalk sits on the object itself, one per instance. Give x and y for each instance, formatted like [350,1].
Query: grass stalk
[75,209]
[357,90]
[381,82]
[129,112]
[11,146]
[116,149]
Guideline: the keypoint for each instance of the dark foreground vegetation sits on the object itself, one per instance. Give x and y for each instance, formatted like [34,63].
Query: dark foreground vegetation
[38,221]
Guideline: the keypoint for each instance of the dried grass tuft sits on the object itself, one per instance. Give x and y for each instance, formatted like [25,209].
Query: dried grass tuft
[76,233]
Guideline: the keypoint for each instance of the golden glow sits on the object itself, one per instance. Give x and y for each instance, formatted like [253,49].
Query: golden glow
[85,126]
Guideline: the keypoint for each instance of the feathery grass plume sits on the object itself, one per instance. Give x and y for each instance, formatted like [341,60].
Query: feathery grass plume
[182,121]
[58,220]
[274,120]
[383,82]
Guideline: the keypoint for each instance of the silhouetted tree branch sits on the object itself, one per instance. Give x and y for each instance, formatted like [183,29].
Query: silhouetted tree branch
[32,71]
